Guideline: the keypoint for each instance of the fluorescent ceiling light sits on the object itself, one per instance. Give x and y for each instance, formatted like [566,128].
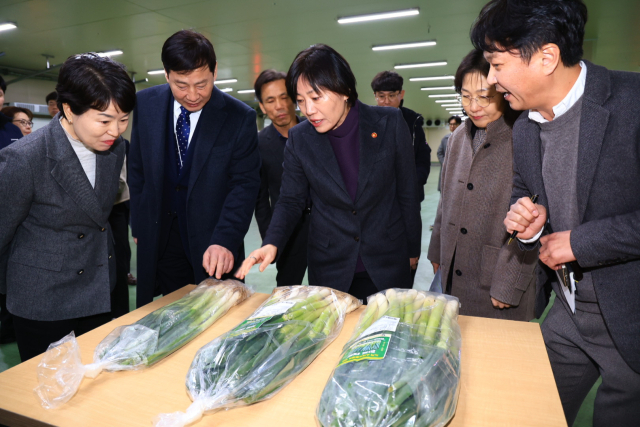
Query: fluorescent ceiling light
[421,65]
[227,89]
[443,95]
[111,53]
[221,82]
[438,88]
[7,26]
[246,91]
[378,16]
[403,45]
[152,72]
[454,109]
[440,101]
[426,79]
[456,104]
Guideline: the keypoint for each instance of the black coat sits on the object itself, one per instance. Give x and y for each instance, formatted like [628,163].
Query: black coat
[607,241]
[8,131]
[421,150]
[223,182]
[383,224]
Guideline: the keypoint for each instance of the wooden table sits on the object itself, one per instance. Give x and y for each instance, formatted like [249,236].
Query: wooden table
[506,381]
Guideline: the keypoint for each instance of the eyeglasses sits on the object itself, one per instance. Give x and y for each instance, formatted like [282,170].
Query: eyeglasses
[482,101]
[24,122]
[383,96]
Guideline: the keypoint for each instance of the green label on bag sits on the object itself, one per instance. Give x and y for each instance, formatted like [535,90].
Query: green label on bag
[248,325]
[371,348]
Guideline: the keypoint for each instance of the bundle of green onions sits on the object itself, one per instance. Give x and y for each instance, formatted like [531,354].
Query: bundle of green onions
[263,354]
[401,367]
[139,345]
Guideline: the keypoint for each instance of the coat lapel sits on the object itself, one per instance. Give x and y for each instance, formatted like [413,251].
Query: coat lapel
[69,174]
[370,124]
[322,149]
[593,125]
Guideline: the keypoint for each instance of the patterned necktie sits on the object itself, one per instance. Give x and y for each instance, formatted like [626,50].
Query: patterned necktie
[183,127]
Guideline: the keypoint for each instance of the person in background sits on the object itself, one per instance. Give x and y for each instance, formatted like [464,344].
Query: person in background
[274,101]
[194,172]
[490,277]
[577,148]
[58,186]
[52,104]
[8,131]
[21,117]
[355,163]
[454,122]
[387,88]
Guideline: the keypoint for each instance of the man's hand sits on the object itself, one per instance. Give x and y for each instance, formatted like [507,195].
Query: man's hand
[498,304]
[556,249]
[526,218]
[135,240]
[436,267]
[414,262]
[218,260]
[265,256]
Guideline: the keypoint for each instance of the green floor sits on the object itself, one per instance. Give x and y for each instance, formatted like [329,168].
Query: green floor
[265,282]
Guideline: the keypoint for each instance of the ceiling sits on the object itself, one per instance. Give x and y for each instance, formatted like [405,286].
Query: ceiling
[252,35]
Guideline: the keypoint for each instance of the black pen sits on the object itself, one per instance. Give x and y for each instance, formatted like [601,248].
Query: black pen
[534,199]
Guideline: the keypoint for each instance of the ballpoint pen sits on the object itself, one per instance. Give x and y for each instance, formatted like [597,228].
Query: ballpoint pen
[534,199]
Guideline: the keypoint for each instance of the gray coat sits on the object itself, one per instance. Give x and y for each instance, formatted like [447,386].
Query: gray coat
[56,247]
[476,193]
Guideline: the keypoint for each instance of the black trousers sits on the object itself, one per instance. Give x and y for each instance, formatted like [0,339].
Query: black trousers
[34,336]
[174,269]
[7,334]
[292,263]
[362,286]
[119,221]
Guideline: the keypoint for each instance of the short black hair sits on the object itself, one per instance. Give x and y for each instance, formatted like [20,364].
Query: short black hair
[267,76]
[12,111]
[51,97]
[91,81]
[186,51]
[475,62]
[387,81]
[324,69]
[456,118]
[3,85]
[527,25]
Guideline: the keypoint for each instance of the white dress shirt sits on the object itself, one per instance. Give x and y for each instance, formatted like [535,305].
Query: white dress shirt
[193,120]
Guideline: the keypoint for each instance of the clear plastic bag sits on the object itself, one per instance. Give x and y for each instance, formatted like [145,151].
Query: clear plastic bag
[401,367]
[139,345]
[263,354]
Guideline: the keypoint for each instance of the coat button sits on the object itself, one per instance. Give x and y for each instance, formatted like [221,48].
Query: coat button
[470,186]
[463,230]
[354,212]
[109,256]
[357,239]
[487,145]
[80,272]
[103,229]
[80,236]
[458,273]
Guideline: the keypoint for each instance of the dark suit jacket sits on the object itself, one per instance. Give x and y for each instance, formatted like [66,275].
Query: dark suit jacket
[55,238]
[9,132]
[421,150]
[607,241]
[223,183]
[383,224]
[272,156]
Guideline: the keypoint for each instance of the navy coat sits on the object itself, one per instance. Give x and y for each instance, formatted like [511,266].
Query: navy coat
[383,224]
[223,182]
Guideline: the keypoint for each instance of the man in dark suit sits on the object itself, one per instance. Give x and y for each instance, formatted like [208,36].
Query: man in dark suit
[194,172]
[274,101]
[577,149]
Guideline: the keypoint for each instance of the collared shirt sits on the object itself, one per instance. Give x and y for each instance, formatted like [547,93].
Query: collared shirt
[574,94]
[193,119]
[86,156]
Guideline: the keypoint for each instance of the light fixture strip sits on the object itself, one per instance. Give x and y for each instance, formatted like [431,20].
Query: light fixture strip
[443,95]
[227,89]
[7,26]
[438,88]
[246,91]
[110,53]
[379,16]
[421,65]
[426,79]
[152,72]
[441,101]
[221,82]
[403,45]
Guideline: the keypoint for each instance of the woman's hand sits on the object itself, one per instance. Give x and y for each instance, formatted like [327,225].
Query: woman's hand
[499,304]
[265,256]
[436,266]
[414,262]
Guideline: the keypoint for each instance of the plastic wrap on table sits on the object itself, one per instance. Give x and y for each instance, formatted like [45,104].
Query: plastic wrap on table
[401,367]
[264,353]
[139,345]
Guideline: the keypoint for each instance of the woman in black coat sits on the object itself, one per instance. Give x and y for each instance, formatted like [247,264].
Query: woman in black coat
[355,163]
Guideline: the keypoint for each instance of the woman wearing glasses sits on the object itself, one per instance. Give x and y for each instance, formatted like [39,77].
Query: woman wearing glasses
[490,277]
[355,163]
[58,188]
[20,117]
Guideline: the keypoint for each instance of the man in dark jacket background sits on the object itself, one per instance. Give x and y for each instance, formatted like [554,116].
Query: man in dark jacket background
[8,131]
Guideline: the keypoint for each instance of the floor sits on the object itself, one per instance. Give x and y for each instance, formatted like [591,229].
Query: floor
[265,282]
